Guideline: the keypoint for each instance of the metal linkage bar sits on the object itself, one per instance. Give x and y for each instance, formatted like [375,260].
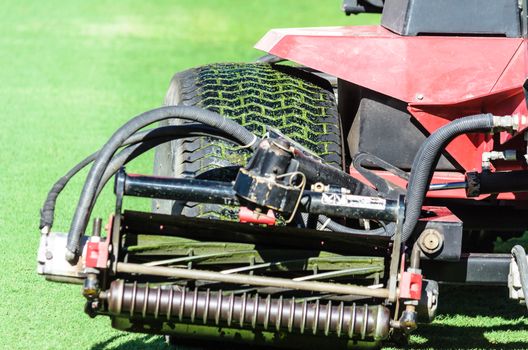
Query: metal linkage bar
[474,268]
[448,186]
[350,206]
[252,280]
[177,189]
[205,191]
[172,303]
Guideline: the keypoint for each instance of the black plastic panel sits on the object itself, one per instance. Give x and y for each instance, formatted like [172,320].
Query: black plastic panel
[383,127]
[453,17]
[480,269]
[452,232]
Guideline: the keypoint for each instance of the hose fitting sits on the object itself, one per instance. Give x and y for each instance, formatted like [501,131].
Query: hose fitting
[508,123]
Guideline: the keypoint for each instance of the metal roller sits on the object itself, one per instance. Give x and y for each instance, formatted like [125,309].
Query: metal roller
[173,303]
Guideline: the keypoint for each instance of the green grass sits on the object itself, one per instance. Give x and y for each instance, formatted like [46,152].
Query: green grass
[71,72]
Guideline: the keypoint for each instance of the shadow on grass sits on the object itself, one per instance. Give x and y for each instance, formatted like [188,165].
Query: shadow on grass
[157,342]
[449,337]
[468,318]
[144,342]
[474,318]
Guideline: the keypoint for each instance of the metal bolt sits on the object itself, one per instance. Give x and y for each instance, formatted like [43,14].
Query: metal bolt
[420,97]
[431,241]
[49,255]
[318,187]
[433,300]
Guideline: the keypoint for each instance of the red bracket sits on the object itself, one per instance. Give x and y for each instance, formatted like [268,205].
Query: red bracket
[246,215]
[96,254]
[411,285]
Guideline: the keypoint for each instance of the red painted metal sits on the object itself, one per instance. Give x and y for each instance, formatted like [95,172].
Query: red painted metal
[467,149]
[96,252]
[246,215]
[96,255]
[441,214]
[418,70]
[410,286]
[440,77]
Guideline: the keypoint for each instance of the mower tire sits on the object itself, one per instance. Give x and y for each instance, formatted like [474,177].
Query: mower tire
[299,104]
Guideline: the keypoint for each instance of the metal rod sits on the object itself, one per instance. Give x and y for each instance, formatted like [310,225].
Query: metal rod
[415,256]
[338,273]
[448,186]
[252,280]
[178,189]
[186,259]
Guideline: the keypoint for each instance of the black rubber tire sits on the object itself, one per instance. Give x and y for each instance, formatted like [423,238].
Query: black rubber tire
[299,104]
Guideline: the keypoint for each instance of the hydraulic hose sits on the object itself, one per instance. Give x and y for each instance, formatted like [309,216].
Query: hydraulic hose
[133,151]
[82,212]
[519,255]
[426,159]
[47,212]
[335,226]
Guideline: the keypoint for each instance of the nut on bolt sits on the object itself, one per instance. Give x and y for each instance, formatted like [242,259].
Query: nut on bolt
[431,241]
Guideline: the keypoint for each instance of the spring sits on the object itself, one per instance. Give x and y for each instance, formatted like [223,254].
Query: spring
[172,303]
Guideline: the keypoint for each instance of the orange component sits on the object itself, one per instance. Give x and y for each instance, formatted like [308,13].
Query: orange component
[246,215]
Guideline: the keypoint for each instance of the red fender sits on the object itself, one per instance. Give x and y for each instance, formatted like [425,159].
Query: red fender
[440,77]
[418,70]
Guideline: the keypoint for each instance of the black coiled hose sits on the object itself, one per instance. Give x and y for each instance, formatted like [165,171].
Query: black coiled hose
[83,210]
[138,142]
[425,162]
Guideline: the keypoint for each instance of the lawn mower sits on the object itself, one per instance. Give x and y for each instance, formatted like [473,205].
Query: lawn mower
[318,196]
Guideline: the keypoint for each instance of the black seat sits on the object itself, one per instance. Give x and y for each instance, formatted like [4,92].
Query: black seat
[453,17]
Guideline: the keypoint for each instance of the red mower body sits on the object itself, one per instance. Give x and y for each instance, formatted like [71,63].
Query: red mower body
[440,78]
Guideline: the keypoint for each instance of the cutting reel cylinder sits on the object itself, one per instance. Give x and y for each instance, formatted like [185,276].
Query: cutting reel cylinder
[173,303]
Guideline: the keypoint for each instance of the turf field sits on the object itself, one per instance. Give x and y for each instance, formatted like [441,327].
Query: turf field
[71,72]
